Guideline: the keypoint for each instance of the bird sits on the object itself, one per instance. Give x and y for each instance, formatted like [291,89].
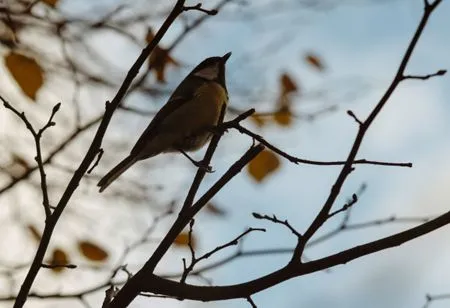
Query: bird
[186,122]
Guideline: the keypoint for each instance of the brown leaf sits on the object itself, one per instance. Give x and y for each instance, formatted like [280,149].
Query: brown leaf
[149,36]
[283,116]
[183,239]
[259,120]
[214,209]
[92,251]
[159,59]
[263,165]
[51,3]
[59,257]
[287,84]
[35,233]
[26,71]
[314,61]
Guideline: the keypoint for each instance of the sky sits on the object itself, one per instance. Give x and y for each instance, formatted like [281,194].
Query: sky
[361,44]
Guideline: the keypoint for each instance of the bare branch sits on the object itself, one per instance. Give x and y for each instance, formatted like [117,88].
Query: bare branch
[37,140]
[99,156]
[425,77]
[198,7]
[274,219]
[297,160]
[352,114]
[90,155]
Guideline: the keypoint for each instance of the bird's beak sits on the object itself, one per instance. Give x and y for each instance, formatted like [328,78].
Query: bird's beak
[225,57]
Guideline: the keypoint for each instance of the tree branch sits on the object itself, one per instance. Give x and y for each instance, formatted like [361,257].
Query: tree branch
[90,156]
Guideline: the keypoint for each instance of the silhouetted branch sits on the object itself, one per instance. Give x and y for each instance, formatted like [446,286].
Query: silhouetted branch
[90,156]
[37,141]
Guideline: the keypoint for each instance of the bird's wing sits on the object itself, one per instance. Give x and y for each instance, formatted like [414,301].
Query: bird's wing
[175,102]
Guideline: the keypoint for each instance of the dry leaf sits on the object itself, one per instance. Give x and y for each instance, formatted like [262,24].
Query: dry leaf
[287,84]
[263,165]
[259,120]
[183,239]
[314,61]
[283,116]
[159,59]
[59,257]
[27,73]
[92,251]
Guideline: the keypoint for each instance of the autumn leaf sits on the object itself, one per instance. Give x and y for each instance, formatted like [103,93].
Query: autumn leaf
[314,61]
[51,3]
[34,232]
[259,120]
[183,240]
[59,257]
[283,116]
[26,72]
[159,59]
[287,85]
[92,251]
[264,164]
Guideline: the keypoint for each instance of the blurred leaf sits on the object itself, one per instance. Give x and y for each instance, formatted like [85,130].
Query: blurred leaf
[259,120]
[26,71]
[214,209]
[287,84]
[92,251]
[159,59]
[59,257]
[283,116]
[263,165]
[35,233]
[183,240]
[314,61]
[51,3]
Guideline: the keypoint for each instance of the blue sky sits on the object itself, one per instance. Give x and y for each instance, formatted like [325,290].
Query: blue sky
[361,45]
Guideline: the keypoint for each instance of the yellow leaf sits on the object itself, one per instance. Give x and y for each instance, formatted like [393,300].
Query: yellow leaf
[259,120]
[92,251]
[314,61]
[263,165]
[26,71]
[283,116]
[51,3]
[59,257]
[34,232]
[183,240]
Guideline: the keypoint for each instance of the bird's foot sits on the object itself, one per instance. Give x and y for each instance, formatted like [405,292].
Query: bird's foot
[199,164]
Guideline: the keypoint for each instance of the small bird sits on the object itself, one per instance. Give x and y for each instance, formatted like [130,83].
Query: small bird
[186,121]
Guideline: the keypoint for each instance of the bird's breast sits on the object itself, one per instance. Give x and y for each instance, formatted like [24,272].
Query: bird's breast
[204,112]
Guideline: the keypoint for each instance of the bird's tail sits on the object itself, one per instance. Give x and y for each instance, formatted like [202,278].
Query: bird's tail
[116,172]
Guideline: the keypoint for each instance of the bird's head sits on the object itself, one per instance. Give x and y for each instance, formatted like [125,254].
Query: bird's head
[212,69]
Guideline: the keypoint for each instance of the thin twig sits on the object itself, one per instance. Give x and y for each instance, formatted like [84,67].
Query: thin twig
[274,219]
[425,77]
[37,135]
